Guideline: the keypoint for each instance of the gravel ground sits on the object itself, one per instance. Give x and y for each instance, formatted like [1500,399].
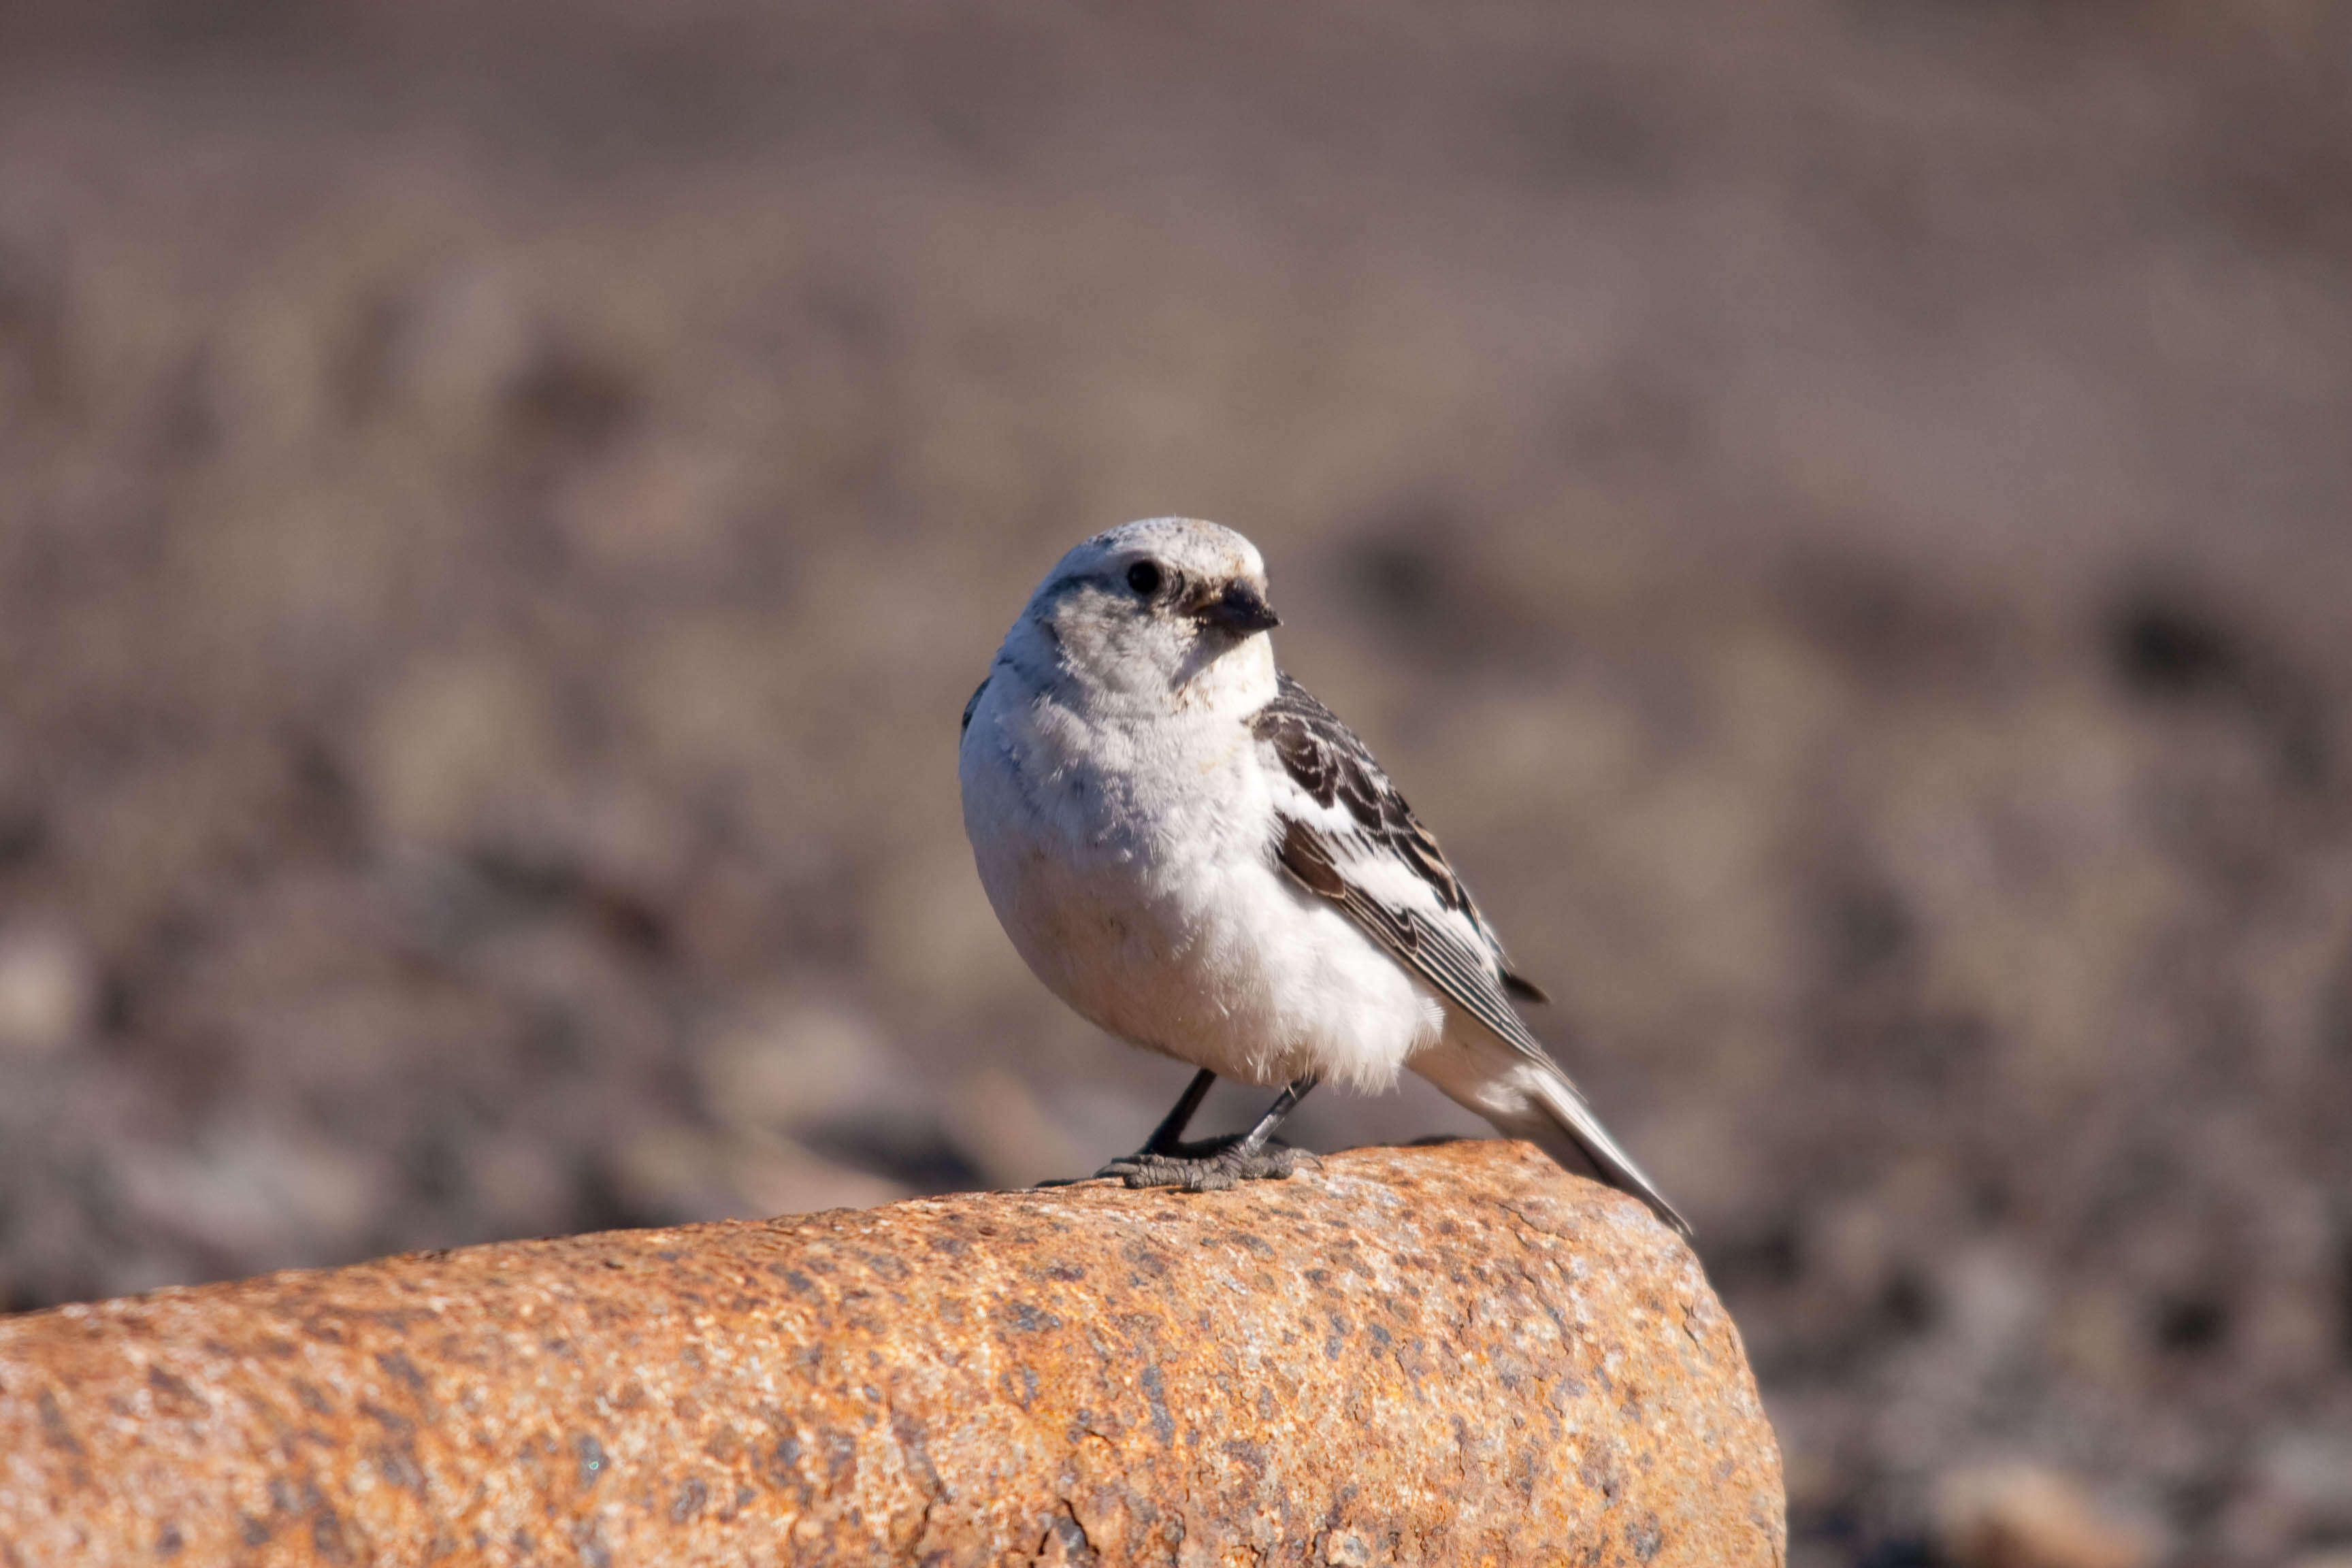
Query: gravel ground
[1838,513]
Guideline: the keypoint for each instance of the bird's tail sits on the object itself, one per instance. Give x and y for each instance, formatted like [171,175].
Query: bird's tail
[1533,1099]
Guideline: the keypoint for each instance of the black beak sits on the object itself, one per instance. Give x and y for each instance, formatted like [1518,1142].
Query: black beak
[1240,610]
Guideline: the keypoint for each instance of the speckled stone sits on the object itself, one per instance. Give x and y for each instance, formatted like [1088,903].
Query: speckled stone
[1452,1354]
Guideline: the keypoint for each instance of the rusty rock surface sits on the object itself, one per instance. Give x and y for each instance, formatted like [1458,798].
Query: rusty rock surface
[1447,1354]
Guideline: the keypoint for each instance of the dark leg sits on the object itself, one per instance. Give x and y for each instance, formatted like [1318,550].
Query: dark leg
[1168,1137]
[1214,1163]
[1277,1114]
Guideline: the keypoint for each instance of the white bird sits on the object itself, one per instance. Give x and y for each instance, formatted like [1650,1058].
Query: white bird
[1198,857]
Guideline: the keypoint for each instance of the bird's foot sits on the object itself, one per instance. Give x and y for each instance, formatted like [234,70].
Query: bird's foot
[1209,1166]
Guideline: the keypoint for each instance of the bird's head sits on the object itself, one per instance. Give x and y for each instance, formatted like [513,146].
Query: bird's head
[1169,612]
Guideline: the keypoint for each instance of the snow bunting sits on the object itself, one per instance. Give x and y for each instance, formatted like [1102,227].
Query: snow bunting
[1198,856]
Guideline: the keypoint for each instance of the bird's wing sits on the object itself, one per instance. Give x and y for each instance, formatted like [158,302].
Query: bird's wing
[973,700]
[1347,834]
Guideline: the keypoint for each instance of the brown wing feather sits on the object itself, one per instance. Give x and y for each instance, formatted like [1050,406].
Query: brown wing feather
[1327,761]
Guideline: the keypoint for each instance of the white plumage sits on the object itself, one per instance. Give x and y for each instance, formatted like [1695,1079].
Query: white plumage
[1194,854]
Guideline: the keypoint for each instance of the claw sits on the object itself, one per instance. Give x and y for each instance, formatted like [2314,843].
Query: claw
[1210,1171]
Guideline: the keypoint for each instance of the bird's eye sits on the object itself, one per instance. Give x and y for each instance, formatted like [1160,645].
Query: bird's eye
[1144,578]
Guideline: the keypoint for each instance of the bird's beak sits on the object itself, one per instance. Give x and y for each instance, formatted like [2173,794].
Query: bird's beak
[1240,609]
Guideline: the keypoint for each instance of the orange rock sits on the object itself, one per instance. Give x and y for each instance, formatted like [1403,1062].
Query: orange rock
[1448,1355]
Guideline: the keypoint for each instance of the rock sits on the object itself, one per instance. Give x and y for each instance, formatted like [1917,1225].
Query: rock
[455,746]
[2022,1516]
[2306,1474]
[1442,1354]
[788,1064]
[48,992]
[244,1188]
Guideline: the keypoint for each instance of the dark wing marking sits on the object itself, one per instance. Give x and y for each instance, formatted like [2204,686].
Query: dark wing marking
[1324,757]
[973,700]
[1460,957]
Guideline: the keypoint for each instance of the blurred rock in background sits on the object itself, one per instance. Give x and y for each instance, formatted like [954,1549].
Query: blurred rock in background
[1836,512]
[2019,1516]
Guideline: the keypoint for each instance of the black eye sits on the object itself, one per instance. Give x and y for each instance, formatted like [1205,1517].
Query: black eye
[1144,578]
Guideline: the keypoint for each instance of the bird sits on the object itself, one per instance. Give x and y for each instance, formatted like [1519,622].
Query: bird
[1200,859]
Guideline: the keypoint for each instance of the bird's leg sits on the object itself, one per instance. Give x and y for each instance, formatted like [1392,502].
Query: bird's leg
[1168,1137]
[1214,1163]
[1275,1114]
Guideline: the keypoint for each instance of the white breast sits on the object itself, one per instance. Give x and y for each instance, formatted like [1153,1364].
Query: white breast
[1130,864]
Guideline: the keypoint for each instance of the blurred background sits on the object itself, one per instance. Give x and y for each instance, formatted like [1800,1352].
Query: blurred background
[1839,513]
